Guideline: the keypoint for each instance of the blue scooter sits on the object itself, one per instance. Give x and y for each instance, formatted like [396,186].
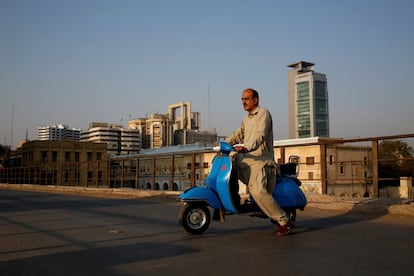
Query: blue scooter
[220,192]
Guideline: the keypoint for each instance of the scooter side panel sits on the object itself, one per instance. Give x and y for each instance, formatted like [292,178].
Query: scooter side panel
[288,194]
[211,179]
[223,185]
[201,194]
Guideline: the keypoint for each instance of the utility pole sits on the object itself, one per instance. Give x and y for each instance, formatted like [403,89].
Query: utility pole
[12,127]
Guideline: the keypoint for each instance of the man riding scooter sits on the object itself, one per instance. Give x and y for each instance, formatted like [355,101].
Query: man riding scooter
[255,159]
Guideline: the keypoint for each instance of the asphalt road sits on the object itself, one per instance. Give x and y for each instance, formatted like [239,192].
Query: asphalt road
[57,234]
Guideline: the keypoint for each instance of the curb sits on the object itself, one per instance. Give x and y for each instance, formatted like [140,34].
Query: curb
[125,192]
[382,206]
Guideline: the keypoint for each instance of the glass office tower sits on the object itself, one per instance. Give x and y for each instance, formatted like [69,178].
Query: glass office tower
[308,102]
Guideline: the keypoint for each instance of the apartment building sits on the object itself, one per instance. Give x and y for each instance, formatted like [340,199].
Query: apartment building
[58,132]
[118,139]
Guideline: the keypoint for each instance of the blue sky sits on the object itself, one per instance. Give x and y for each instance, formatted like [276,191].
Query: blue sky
[74,62]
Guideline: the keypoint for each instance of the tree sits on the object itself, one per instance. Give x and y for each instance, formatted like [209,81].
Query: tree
[394,161]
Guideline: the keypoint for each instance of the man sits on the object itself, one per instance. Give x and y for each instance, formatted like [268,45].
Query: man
[255,159]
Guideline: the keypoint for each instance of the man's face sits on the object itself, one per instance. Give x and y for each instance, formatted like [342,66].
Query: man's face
[249,103]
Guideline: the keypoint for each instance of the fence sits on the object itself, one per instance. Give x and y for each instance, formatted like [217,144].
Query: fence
[166,172]
[349,168]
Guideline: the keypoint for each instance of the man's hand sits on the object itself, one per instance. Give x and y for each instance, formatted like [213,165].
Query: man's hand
[240,149]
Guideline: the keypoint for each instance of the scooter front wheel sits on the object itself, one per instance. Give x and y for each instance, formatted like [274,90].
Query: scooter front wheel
[194,218]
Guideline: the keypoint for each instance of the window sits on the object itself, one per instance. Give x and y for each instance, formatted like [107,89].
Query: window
[100,173]
[310,175]
[54,156]
[341,169]
[330,159]
[89,156]
[90,175]
[310,160]
[44,156]
[67,156]
[77,154]
[303,107]
[98,155]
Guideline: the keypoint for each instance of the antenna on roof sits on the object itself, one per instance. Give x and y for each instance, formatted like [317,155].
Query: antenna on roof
[208,106]
[12,126]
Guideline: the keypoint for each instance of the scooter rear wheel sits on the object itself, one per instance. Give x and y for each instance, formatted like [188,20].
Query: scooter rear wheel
[194,218]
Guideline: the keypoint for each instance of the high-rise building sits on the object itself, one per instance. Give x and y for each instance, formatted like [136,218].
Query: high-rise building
[153,130]
[179,126]
[58,133]
[130,141]
[118,139]
[308,102]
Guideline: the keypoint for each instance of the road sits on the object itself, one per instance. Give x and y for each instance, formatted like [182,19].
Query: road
[58,234]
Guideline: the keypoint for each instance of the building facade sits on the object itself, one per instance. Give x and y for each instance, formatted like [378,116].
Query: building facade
[118,139]
[179,126]
[308,102]
[58,133]
[174,168]
[346,169]
[326,166]
[69,163]
[154,130]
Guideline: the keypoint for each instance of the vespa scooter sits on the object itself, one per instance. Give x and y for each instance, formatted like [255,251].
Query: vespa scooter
[220,192]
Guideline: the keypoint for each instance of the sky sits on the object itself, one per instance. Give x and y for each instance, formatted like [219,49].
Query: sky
[79,61]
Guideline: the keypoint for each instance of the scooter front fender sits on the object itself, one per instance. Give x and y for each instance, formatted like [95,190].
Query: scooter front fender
[201,194]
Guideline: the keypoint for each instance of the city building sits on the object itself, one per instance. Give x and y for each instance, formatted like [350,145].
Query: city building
[118,139]
[181,116]
[329,166]
[61,163]
[180,126]
[346,170]
[154,130]
[308,102]
[57,133]
[130,141]
[191,136]
[167,168]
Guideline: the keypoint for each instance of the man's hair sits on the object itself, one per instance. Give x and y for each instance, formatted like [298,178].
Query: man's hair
[255,93]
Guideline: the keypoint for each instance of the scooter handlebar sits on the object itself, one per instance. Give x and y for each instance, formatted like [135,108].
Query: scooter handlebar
[224,148]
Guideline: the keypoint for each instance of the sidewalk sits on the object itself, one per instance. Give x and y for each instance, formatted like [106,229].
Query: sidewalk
[380,205]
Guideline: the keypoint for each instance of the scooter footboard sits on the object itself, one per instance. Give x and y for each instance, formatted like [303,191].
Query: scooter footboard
[201,194]
[288,194]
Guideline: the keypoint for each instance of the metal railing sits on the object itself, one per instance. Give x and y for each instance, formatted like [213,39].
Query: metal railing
[355,175]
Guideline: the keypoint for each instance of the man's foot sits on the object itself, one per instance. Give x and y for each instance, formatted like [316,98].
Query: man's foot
[284,229]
